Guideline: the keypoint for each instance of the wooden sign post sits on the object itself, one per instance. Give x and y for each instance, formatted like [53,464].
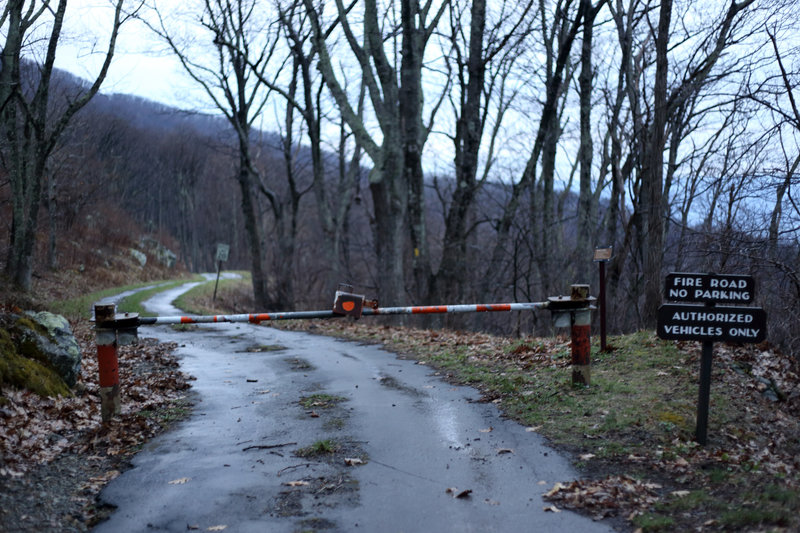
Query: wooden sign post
[222,255]
[601,257]
[708,322]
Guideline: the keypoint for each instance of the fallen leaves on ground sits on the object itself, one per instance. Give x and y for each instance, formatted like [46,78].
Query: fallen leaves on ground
[36,430]
[605,497]
[96,483]
[478,346]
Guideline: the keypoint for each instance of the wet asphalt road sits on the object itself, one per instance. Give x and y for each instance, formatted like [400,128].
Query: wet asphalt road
[231,463]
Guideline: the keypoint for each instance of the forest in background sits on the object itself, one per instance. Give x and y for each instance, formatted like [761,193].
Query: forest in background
[664,130]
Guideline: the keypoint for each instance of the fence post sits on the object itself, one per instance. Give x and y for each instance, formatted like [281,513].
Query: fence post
[107,361]
[581,347]
[581,337]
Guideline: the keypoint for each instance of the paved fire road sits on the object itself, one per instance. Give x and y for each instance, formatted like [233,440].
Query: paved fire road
[233,462]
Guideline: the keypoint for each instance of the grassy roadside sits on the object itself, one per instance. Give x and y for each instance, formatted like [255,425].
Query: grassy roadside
[81,306]
[233,296]
[133,303]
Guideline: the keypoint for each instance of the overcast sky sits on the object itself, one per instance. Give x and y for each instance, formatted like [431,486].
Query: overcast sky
[141,66]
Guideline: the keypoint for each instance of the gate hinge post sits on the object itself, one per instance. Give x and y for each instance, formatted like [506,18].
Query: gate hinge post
[111,330]
[575,311]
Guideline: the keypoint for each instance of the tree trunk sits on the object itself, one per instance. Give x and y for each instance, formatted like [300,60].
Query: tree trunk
[586,205]
[252,226]
[34,133]
[390,199]
[652,234]
[448,283]
[410,96]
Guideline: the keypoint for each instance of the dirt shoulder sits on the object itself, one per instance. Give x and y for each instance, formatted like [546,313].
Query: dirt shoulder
[57,454]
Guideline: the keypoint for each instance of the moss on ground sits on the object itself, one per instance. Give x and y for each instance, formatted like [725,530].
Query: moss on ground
[23,373]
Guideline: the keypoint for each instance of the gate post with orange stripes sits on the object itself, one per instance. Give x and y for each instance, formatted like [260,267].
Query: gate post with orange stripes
[575,311]
[107,361]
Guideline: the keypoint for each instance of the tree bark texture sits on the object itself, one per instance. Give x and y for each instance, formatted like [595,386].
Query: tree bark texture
[652,229]
[586,203]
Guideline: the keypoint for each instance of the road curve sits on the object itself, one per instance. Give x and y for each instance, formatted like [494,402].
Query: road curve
[232,463]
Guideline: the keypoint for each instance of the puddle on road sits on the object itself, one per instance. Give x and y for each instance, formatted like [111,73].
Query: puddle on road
[299,365]
[446,424]
[262,348]
[391,383]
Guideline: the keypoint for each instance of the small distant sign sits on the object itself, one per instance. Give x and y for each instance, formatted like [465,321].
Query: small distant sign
[709,288]
[223,250]
[603,255]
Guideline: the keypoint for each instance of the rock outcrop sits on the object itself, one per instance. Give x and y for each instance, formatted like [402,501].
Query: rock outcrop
[48,338]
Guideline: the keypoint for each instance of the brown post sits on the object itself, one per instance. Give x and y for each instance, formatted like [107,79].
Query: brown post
[107,362]
[581,337]
[602,256]
[581,347]
[602,303]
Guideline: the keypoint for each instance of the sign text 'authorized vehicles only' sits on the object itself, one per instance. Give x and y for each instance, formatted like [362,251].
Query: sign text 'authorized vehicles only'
[699,322]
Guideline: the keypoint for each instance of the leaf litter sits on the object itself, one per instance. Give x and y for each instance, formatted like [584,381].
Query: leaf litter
[64,441]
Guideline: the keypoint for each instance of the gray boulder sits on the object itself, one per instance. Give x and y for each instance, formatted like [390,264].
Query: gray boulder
[48,338]
[139,256]
[164,255]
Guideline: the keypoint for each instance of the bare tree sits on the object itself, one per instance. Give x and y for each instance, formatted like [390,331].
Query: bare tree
[658,107]
[396,93]
[790,116]
[483,53]
[31,121]
[332,209]
[587,200]
[233,79]
[558,28]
